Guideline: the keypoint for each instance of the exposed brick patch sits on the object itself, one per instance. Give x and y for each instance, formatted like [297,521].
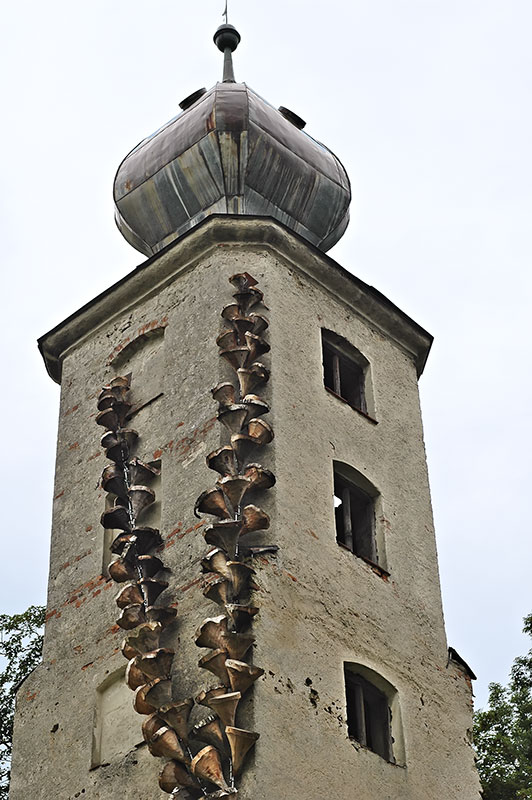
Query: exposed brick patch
[149,326]
[188,586]
[71,410]
[73,446]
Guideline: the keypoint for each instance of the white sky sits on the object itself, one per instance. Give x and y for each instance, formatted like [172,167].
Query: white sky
[427,103]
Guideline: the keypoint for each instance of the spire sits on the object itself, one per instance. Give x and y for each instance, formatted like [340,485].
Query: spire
[227,39]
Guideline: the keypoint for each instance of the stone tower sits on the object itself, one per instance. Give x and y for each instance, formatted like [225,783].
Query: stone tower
[262,553]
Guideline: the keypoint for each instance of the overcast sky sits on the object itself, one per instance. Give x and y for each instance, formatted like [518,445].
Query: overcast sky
[427,103]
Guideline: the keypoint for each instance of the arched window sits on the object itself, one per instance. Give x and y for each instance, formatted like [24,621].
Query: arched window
[373,714]
[354,510]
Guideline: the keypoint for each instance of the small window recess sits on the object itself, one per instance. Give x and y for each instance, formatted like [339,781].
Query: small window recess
[356,502]
[346,374]
[373,713]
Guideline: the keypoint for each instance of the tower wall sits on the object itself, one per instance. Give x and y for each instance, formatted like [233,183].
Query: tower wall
[320,606]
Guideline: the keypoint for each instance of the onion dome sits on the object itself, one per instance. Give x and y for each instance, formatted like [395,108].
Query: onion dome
[230,152]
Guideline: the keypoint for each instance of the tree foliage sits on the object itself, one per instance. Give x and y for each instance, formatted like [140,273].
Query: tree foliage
[503,734]
[21,637]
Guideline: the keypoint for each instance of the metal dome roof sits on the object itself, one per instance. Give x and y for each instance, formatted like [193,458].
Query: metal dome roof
[230,152]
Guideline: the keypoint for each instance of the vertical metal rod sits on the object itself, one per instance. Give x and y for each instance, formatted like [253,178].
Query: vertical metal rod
[336,375]
[360,715]
[348,524]
[225,14]
[229,73]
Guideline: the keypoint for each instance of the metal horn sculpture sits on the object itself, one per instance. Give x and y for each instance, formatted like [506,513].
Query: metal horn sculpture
[228,579]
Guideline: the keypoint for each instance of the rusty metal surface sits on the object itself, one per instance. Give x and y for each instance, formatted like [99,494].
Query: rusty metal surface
[230,152]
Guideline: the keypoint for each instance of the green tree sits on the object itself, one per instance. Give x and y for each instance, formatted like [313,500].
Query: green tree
[21,637]
[503,734]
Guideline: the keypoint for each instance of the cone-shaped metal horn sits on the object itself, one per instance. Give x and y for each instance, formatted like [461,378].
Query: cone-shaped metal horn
[252,377]
[230,311]
[107,399]
[223,461]
[141,497]
[255,406]
[151,589]
[260,478]
[225,705]
[116,518]
[146,539]
[165,744]
[134,676]
[131,616]
[236,357]
[242,675]
[177,717]
[157,664]
[227,339]
[159,693]
[174,776]
[242,445]
[210,632]
[121,570]
[224,534]
[219,590]
[237,644]
[120,382]
[149,565]
[209,731]
[141,473]
[255,519]
[240,742]
[257,346]
[248,299]
[140,704]
[151,725]
[207,766]
[165,615]
[242,325]
[119,446]
[241,616]
[260,324]
[234,488]
[260,431]
[122,541]
[240,576]
[242,281]
[212,502]
[113,480]
[233,417]
[204,698]
[224,393]
[129,595]
[144,639]
[113,418]
[215,663]
[215,561]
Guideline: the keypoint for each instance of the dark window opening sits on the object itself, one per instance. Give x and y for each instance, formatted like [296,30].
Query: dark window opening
[368,715]
[355,519]
[344,376]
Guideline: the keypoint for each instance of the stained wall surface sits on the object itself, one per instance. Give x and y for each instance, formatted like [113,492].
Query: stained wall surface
[320,606]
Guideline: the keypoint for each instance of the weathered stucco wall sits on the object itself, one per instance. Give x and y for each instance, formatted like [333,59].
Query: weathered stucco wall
[320,605]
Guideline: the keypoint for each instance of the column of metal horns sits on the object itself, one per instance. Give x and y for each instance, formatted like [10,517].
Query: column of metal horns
[228,578]
[149,667]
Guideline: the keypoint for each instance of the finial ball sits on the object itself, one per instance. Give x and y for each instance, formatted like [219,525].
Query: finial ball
[226,37]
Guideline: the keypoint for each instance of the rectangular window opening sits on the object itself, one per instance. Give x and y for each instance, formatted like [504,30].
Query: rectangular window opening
[368,715]
[344,376]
